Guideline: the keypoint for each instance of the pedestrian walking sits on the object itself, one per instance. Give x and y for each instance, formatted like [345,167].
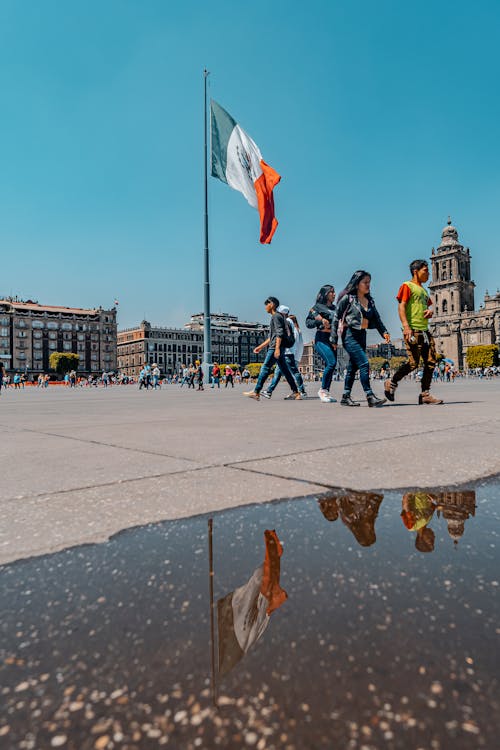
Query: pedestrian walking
[414,303]
[215,375]
[320,317]
[355,313]
[229,376]
[292,357]
[278,341]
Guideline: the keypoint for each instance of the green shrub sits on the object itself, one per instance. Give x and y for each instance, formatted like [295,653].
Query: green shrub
[63,362]
[482,356]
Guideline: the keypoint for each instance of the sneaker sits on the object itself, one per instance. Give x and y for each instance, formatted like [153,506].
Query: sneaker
[325,397]
[296,396]
[426,398]
[303,394]
[290,396]
[252,394]
[389,389]
[346,400]
[375,401]
[266,394]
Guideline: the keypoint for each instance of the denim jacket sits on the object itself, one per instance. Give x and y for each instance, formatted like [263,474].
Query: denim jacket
[351,306]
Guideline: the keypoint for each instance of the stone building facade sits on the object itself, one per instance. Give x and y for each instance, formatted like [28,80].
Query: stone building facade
[30,332]
[233,341]
[456,323]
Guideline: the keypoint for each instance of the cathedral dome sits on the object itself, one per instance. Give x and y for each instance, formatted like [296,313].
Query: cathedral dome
[449,235]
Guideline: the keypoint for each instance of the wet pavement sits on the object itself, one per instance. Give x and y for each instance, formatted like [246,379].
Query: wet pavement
[353,620]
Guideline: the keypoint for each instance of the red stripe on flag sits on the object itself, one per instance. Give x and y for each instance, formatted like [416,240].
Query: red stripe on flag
[265,201]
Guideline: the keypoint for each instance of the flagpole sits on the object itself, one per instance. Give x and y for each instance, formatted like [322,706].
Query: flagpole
[207,343]
[212,610]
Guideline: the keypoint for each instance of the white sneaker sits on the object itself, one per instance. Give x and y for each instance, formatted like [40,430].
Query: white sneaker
[325,397]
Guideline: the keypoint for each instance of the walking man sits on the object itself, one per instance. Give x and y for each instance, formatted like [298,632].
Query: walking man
[414,313]
[277,341]
[292,356]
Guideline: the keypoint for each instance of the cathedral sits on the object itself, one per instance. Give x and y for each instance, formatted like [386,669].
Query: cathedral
[456,323]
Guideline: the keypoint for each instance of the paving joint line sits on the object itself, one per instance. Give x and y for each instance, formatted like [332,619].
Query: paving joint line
[358,443]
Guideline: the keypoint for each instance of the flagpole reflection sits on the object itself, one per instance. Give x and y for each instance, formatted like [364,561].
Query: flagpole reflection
[212,610]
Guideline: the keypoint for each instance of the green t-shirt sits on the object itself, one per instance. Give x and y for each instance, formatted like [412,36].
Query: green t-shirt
[417,302]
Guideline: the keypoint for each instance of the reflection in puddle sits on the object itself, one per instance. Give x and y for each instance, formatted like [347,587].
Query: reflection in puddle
[371,645]
[358,511]
[243,615]
[419,509]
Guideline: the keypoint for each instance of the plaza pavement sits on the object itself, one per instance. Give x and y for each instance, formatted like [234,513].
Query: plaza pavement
[80,465]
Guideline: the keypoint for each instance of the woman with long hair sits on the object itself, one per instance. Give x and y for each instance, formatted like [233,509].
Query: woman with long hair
[355,313]
[320,316]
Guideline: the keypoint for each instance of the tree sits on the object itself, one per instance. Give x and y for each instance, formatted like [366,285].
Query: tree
[63,362]
[482,356]
[396,362]
[376,363]
[254,369]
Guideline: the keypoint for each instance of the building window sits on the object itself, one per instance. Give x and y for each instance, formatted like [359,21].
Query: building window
[445,307]
[37,324]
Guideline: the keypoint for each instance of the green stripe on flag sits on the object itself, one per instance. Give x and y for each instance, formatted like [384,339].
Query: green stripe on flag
[222,125]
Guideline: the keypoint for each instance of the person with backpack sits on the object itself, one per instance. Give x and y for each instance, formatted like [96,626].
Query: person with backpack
[355,313]
[280,338]
[292,356]
[320,317]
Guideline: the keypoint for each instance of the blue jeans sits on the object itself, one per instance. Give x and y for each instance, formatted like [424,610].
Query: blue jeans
[355,346]
[329,357]
[292,366]
[266,369]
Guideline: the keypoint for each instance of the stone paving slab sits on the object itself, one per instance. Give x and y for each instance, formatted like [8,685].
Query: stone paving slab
[79,465]
[52,522]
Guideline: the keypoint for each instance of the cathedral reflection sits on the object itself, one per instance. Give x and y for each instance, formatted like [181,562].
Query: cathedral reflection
[419,509]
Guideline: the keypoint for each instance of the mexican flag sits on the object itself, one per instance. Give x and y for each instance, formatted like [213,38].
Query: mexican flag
[236,160]
[243,615]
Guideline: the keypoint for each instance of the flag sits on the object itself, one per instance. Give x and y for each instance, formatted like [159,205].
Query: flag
[236,160]
[116,302]
[243,615]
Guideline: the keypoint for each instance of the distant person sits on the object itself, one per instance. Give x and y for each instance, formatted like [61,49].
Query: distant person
[229,376]
[277,342]
[414,312]
[215,379]
[355,314]
[320,317]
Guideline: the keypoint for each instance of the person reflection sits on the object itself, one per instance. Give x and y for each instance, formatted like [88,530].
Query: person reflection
[419,508]
[357,510]
[243,615]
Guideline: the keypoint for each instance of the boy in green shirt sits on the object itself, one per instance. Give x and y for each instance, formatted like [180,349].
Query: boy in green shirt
[414,313]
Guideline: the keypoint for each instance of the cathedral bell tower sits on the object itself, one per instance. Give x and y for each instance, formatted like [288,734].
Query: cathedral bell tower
[451,285]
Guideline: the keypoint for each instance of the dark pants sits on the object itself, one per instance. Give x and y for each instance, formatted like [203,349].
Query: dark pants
[266,369]
[355,346]
[425,348]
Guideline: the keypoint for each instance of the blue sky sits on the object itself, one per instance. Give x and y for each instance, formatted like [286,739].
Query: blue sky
[382,119]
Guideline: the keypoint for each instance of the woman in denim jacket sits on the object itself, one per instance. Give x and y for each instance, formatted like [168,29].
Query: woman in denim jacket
[354,314]
[320,316]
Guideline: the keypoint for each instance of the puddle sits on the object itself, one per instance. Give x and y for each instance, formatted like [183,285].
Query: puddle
[354,621]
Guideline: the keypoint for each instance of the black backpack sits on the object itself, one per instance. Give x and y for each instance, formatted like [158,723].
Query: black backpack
[288,339]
